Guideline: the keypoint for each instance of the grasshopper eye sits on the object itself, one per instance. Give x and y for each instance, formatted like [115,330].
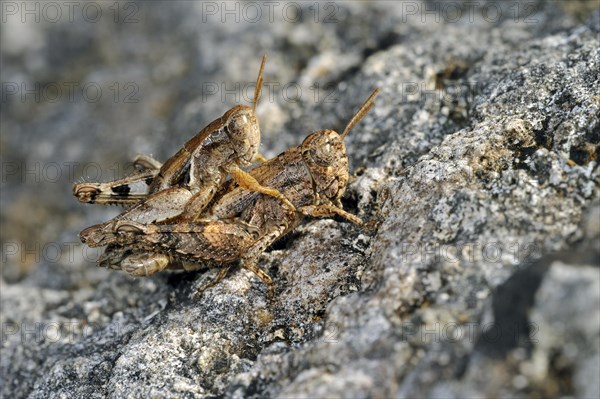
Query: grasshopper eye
[324,148]
[324,154]
[237,123]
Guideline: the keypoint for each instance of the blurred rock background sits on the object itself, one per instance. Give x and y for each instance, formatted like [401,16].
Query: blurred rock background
[477,167]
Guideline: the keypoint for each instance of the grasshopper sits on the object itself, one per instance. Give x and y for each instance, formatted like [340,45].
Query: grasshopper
[240,224]
[186,183]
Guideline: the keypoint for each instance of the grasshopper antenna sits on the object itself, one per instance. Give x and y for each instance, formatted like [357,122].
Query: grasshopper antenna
[259,82]
[362,111]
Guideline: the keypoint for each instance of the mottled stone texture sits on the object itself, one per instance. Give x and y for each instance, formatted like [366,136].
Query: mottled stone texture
[477,274]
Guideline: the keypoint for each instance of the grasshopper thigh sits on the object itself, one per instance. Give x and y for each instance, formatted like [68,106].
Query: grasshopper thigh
[220,241]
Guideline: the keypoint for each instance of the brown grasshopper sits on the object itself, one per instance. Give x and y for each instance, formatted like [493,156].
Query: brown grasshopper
[313,176]
[186,183]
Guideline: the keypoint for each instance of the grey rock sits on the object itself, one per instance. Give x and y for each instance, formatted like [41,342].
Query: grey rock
[478,170]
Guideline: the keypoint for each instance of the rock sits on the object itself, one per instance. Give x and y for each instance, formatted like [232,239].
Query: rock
[477,169]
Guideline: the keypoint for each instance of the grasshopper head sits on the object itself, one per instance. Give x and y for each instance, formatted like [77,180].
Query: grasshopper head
[324,154]
[241,126]
[97,235]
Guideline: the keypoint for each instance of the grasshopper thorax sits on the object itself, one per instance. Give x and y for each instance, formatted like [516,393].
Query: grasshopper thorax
[241,126]
[324,155]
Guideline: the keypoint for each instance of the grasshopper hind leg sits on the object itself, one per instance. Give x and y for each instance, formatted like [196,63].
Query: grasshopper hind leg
[119,191]
[250,258]
[146,162]
[141,265]
[136,263]
[216,280]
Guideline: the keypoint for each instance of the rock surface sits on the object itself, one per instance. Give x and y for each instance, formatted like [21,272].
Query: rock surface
[478,169]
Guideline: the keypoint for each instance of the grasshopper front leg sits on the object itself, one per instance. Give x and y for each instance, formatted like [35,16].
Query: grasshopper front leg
[195,207]
[246,181]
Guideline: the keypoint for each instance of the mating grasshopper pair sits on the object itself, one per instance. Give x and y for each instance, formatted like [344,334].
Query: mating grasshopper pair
[191,214]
